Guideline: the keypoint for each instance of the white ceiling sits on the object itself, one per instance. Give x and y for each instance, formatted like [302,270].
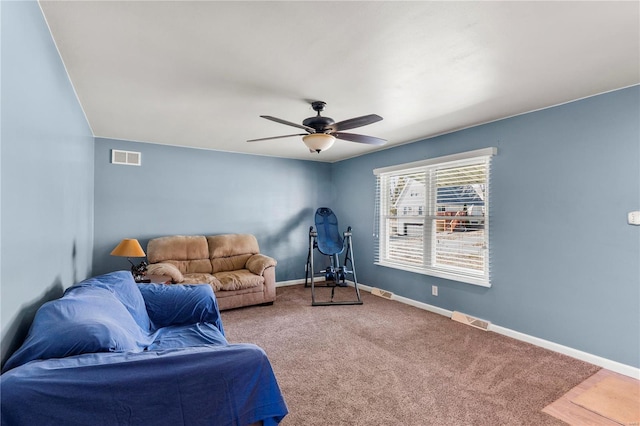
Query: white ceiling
[200,74]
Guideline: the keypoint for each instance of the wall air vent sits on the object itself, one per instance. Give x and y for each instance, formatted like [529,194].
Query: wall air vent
[473,322]
[382,293]
[129,158]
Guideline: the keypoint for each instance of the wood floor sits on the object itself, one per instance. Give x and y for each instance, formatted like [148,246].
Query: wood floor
[574,414]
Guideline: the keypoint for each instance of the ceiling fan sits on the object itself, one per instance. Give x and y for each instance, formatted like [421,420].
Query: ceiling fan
[323,131]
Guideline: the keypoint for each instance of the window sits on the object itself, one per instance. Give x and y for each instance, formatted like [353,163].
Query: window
[432,216]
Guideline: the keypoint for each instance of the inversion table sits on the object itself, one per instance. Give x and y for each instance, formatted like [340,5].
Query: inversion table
[329,242]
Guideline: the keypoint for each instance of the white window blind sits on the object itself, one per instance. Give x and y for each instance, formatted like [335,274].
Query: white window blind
[432,216]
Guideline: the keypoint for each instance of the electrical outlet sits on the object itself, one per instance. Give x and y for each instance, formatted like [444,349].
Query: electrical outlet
[634,218]
[434,290]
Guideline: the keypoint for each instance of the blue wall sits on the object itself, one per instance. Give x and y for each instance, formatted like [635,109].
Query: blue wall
[200,192]
[47,173]
[565,263]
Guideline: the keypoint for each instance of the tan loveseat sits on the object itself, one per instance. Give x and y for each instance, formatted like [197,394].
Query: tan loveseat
[231,264]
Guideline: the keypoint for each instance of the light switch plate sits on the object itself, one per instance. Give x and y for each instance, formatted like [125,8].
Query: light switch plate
[634,218]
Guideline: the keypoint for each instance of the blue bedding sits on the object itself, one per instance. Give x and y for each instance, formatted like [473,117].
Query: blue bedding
[111,352]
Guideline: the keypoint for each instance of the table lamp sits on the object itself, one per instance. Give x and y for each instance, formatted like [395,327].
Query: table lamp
[130,247]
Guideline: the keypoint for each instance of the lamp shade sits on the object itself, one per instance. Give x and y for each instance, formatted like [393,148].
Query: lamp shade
[129,247]
[318,141]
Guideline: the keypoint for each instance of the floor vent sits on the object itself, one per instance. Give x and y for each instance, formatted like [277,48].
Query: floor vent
[129,158]
[381,293]
[473,322]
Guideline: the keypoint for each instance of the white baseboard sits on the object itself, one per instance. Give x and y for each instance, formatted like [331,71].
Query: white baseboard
[614,366]
[287,283]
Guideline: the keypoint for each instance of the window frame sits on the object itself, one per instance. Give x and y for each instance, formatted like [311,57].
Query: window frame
[427,265]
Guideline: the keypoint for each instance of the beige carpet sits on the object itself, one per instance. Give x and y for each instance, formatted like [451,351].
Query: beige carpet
[614,398]
[386,363]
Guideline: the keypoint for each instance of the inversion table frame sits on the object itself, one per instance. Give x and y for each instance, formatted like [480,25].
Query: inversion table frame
[335,274]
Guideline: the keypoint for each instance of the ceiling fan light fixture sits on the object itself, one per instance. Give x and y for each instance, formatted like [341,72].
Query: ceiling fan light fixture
[317,142]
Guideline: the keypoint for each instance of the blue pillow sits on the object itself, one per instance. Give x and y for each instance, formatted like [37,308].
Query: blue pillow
[178,304]
[86,320]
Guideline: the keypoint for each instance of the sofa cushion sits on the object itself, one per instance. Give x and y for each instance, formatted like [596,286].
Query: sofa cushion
[190,254]
[167,269]
[232,245]
[187,335]
[172,305]
[196,266]
[202,279]
[88,319]
[230,263]
[236,280]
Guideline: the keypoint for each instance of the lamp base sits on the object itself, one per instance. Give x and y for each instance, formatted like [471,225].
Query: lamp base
[138,271]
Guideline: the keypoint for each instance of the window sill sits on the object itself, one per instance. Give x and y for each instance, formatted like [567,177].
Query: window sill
[467,279]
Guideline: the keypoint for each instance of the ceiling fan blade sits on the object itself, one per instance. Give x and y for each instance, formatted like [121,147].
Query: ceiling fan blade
[352,123]
[352,137]
[289,123]
[276,137]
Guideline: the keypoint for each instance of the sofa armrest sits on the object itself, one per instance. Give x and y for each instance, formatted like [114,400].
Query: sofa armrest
[177,304]
[259,262]
[167,269]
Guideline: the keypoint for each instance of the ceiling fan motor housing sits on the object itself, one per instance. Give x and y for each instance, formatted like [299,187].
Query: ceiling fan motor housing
[319,123]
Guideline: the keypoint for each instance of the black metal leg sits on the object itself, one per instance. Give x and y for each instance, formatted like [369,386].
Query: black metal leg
[309,267]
